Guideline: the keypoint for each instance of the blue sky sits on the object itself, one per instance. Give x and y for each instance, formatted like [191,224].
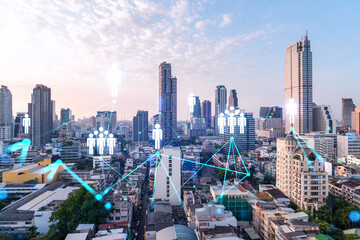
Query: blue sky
[70,45]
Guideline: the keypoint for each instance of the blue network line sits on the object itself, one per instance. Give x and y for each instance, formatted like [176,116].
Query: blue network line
[227,163]
[24,145]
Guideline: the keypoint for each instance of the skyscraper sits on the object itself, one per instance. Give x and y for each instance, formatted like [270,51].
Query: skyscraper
[347,108]
[220,102]
[233,99]
[65,115]
[167,102]
[206,112]
[323,119]
[140,127]
[40,110]
[6,117]
[220,99]
[298,85]
[271,112]
[356,120]
[197,108]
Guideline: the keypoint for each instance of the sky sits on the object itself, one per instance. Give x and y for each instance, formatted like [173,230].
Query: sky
[69,46]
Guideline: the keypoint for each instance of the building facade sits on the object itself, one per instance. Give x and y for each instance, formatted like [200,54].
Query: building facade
[6,117]
[168,176]
[140,126]
[347,107]
[299,86]
[206,112]
[233,99]
[41,113]
[322,119]
[167,102]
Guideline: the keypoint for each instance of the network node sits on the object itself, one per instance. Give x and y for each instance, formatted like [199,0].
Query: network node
[232,138]
[248,174]
[107,205]
[114,101]
[139,132]
[178,136]
[98,197]
[158,153]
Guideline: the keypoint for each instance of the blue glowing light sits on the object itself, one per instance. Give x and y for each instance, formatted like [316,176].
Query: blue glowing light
[139,132]
[232,138]
[269,116]
[108,206]
[98,197]
[3,194]
[354,216]
[218,211]
[178,137]
[194,186]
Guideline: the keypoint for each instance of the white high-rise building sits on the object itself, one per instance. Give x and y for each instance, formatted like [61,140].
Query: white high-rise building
[348,144]
[322,143]
[300,174]
[6,117]
[298,85]
[168,176]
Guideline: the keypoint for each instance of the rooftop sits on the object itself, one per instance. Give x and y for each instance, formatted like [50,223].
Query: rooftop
[11,213]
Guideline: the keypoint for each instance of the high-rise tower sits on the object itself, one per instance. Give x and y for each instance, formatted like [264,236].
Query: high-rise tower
[167,102]
[298,85]
[233,99]
[6,117]
[40,110]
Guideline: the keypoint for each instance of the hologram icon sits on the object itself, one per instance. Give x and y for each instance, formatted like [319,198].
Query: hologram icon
[114,79]
[231,119]
[111,141]
[26,123]
[221,123]
[291,111]
[90,143]
[101,144]
[191,102]
[157,136]
[242,123]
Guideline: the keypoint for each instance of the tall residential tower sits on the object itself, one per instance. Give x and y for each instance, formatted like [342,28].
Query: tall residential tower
[6,117]
[298,85]
[167,102]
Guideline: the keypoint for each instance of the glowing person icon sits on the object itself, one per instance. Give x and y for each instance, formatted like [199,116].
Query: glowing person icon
[26,123]
[231,120]
[90,143]
[221,123]
[111,141]
[101,144]
[157,136]
[191,102]
[291,111]
[242,123]
[114,79]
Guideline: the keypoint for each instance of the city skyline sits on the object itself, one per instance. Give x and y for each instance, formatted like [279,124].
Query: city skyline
[206,43]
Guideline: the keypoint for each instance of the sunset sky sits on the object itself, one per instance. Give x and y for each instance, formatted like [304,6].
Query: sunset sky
[70,45]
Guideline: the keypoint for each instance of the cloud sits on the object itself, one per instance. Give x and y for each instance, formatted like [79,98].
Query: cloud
[70,46]
[226,20]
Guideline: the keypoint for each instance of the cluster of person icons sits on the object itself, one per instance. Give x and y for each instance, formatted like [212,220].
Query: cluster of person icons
[231,119]
[101,139]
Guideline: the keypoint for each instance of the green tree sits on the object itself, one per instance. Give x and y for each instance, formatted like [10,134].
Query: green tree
[80,207]
[220,173]
[32,232]
[33,181]
[324,213]
[293,205]
[5,237]
[2,205]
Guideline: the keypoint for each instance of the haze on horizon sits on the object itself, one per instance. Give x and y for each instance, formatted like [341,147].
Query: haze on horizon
[69,46]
